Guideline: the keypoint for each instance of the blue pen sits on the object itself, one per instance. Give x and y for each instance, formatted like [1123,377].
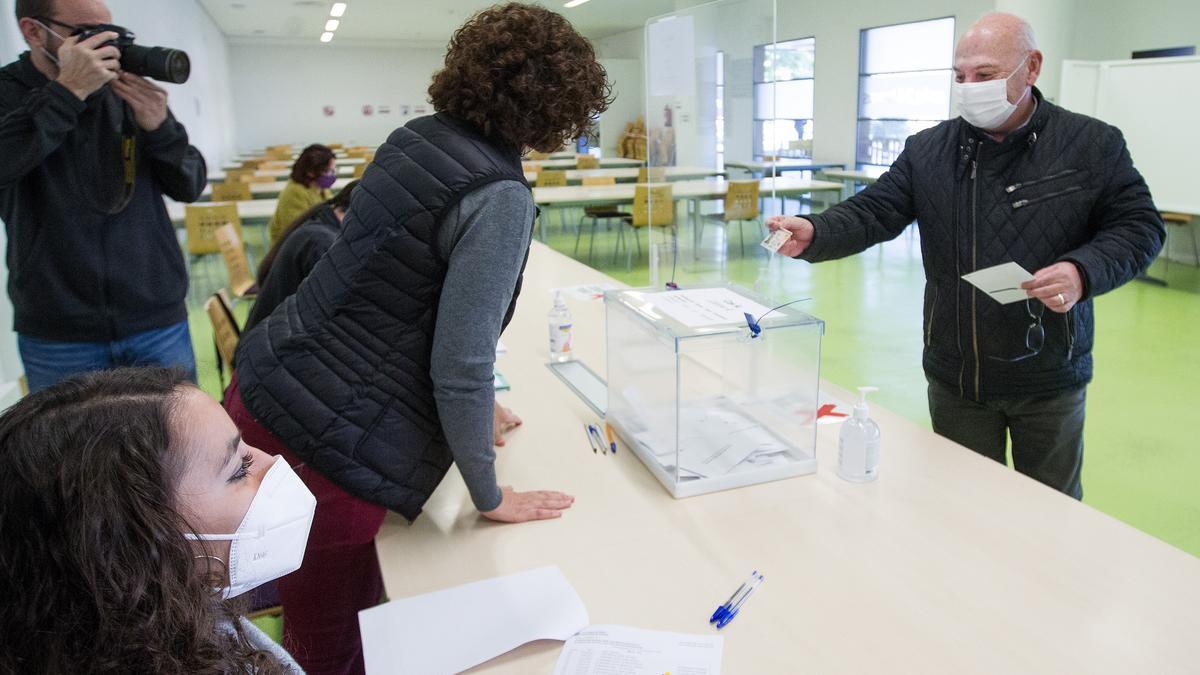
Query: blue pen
[595,433]
[733,611]
[588,430]
[724,608]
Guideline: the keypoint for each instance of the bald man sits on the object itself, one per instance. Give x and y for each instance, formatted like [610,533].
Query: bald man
[96,276]
[1018,179]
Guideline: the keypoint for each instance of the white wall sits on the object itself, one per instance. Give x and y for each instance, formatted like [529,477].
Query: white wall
[281,91]
[204,104]
[1054,23]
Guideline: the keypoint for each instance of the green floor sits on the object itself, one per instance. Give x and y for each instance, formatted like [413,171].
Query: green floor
[1140,458]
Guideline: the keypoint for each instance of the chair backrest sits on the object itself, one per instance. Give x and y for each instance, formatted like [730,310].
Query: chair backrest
[551,178]
[253,164]
[335,146]
[587,162]
[274,165]
[1176,218]
[741,200]
[359,154]
[534,154]
[531,167]
[599,180]
[202,223]
[239,174]
[226,332]
[280,154]
[241,281]
[231,192]
[360,169]
[260,179]
[652,174]
[653,205]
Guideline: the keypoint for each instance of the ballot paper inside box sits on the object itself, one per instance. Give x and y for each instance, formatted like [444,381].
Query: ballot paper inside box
[704,401]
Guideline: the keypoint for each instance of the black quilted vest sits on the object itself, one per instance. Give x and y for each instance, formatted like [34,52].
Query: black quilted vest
[340,372]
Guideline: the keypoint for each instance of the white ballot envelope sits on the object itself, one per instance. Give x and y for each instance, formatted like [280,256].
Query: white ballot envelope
[1002,282]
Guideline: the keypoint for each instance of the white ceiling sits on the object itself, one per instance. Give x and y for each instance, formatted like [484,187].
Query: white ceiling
[405,21]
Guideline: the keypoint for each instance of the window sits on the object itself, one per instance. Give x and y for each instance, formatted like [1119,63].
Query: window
[783,98]
[903,86]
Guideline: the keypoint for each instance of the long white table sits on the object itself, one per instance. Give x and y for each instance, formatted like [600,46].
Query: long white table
[949,563]
[343,170]
[340,160]
[850,180]
[779,166]
[605,163]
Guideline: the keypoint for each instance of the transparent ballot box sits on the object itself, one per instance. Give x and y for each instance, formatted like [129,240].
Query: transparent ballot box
[705,400]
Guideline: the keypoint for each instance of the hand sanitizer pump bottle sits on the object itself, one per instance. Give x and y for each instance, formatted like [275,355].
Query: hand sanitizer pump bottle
[858,446]
[560,330]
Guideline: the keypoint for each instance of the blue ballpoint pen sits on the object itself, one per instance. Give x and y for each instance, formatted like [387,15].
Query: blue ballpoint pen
[724,608]
[733,611]
[595,433]
[588,430]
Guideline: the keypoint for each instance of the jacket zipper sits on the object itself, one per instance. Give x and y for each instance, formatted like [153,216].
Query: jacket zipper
[974,264]
[932,310]
[1026,202]
[1044,179]
[1070,336]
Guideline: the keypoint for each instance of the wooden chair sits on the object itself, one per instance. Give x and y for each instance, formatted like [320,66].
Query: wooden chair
[741,207]
[202,223]
[226,332]
[596,213]
[547,178]
[531,167]
[241,281]
[355,153]
[359,170]
[234,175]
[236,191]
[653,206]
[260,179]
[587,162]
[652,174]
[1183,221]
[533,154]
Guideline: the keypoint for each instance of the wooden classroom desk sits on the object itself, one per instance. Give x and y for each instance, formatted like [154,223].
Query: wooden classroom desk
[779,166]
[630,174]
[605,163]
[949,563]
[339,161]
[218,176]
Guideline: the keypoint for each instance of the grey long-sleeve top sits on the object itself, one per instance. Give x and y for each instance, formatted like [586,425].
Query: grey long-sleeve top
[485,238]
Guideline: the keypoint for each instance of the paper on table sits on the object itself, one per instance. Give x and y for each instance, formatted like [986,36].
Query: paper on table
[620,650]
[700,307]
[1002,282]
[451,630]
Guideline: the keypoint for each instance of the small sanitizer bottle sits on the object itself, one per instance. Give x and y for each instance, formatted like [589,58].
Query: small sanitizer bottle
[559,321]
[858,446]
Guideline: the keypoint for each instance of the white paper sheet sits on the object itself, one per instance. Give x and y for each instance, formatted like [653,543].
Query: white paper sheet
[451,630]
[620,650]
[1002,282]
[700,307]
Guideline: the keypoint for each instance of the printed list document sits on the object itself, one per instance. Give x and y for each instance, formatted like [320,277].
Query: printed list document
[620,650]
[1002,282]
[700,307]
[455,629]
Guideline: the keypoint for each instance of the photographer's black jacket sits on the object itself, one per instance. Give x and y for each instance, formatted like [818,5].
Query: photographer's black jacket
[75,273]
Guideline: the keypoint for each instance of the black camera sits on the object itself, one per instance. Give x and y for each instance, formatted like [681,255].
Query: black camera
[158,63]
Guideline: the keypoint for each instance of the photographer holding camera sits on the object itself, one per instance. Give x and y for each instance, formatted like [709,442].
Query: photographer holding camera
[96,276]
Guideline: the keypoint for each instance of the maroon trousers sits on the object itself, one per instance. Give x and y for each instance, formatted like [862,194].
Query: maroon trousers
[340,575]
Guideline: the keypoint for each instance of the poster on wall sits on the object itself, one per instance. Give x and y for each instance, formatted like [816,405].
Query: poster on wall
[368,110]
[328,110]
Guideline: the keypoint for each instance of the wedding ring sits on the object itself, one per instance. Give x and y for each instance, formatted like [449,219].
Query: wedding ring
[1061,299]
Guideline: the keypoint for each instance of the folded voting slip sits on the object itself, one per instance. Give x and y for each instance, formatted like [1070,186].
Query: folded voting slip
[1002,282]
[602,650]
[451,630]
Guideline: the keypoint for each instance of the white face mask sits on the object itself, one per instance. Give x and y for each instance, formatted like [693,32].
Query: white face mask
[985,104]
[270,541]
[52,57]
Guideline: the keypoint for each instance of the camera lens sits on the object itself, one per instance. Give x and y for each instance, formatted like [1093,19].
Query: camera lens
[158,63]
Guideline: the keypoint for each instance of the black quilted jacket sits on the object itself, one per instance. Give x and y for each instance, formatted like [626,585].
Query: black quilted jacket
[1063,188]
[340,371]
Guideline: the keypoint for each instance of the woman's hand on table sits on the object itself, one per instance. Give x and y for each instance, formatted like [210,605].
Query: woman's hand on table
[520,507]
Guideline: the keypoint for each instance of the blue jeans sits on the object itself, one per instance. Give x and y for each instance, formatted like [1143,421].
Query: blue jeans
[48,362]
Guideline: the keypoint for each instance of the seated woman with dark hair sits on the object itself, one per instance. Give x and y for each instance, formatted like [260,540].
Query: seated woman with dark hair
[131,514]
[296,251]
[377,374]
[313,173]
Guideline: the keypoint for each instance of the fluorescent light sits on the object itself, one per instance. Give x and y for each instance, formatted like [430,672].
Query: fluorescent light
[338,9]
[326,36]
[332,24]
[575,3]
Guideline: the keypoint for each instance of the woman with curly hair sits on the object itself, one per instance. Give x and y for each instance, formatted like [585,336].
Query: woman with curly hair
[119,491]
[377,374]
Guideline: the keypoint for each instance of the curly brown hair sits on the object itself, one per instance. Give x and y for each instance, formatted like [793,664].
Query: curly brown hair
[523,76]
[95,573]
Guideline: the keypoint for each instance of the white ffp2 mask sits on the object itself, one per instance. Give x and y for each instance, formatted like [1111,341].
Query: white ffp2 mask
[272,536]
[985,104]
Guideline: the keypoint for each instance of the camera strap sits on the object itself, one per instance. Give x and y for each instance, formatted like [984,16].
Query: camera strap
[128,160]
